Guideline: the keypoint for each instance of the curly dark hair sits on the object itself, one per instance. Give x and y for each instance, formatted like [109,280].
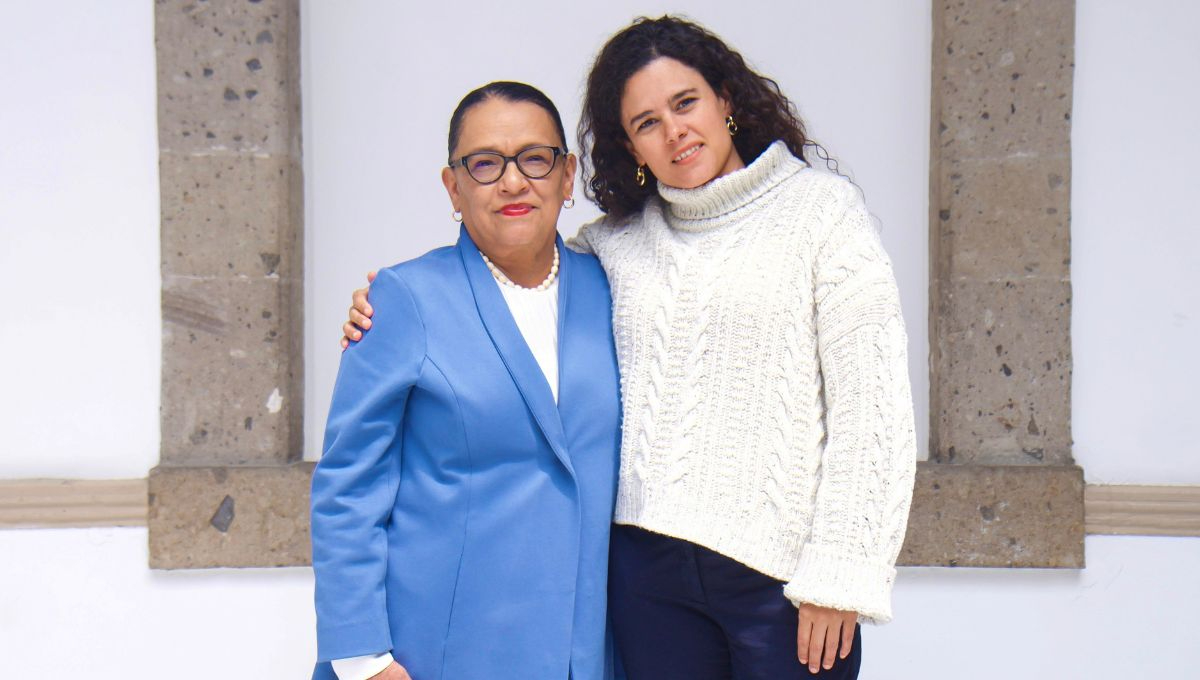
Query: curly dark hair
[762,112]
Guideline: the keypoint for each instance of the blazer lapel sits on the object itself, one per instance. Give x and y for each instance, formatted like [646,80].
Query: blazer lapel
[511,345]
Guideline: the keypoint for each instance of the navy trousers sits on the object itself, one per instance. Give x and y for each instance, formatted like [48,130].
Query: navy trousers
[683,612]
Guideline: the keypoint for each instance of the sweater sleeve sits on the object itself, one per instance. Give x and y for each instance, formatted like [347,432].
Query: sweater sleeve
[869,459]
[587,239]
[355,483]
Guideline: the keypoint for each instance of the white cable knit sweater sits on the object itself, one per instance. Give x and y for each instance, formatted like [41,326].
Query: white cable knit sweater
[767,412]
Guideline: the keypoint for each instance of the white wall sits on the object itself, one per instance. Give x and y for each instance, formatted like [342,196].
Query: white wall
[81,603]
[1136,242]
[1128,615]
[78,179]
[80,335]
[381,80]
[80,349]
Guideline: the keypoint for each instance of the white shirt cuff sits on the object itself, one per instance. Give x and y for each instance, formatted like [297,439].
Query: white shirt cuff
[361,667]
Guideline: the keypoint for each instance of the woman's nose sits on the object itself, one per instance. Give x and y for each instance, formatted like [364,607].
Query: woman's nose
[676,130]
[513,179]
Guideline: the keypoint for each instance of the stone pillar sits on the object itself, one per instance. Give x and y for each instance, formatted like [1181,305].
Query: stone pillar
[229,490]
[1000,291]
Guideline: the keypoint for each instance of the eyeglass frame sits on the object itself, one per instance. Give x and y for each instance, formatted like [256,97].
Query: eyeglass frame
[556,150]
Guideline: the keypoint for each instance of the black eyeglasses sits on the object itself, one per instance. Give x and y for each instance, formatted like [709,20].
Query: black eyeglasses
[487,167]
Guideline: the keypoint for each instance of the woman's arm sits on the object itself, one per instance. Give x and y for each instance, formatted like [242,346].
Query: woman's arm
[869,458]
[355,483]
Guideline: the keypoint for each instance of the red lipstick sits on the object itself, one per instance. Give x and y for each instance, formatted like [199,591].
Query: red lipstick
[516,209]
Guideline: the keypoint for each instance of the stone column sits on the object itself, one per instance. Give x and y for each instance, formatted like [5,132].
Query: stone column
[1001,488]
[229,490]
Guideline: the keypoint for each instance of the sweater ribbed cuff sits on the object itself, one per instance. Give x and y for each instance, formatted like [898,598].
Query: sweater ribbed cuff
[828,579]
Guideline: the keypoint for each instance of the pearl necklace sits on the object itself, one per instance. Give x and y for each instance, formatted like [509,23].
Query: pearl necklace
[502,278]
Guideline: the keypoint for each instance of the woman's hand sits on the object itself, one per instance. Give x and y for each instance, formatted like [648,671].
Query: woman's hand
[818,635]
[394,671]
[360,314]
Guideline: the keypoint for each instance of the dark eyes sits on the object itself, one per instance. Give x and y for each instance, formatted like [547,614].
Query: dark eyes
[681,105]
[538,158]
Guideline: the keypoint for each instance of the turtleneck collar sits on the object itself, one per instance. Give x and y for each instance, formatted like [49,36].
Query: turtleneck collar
[697,209]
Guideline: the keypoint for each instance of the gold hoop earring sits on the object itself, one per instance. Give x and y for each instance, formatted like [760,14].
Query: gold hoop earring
[456,216]
[731,126]
[569,203]
[641,177]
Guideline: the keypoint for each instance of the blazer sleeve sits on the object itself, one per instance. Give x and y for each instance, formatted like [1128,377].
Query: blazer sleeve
[355,483]
[869,458]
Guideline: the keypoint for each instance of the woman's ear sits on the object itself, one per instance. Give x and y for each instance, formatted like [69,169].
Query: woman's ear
[569,175]
[637,157]
[726,101]
[451,184]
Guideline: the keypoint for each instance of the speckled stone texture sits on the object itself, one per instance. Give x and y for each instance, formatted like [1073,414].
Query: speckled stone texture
[232,231]
[996,516]
[1000,488]
[232,240]
[241,516]
[233,363]
[1000,232]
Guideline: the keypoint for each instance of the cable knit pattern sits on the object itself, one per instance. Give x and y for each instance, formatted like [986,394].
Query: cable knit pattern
[767,411]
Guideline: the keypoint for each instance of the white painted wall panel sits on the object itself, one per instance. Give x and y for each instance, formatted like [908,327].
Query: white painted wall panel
[1126,616]
[1135,242]
[80,331]
[81,603]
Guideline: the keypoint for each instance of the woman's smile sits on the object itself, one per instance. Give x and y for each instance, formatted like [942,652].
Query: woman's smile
[516,209]
[688,154]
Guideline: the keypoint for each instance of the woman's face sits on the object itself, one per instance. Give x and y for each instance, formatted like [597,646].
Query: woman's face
[515,213]
[676,125]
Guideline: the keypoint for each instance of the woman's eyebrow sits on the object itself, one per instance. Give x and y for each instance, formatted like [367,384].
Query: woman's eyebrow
[684,93]
[496,150]
[674,98]
[633,121]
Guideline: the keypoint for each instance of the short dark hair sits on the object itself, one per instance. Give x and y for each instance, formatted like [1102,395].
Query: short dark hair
[509,91]
[763,114]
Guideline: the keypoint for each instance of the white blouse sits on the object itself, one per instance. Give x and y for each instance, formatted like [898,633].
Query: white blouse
[536,314]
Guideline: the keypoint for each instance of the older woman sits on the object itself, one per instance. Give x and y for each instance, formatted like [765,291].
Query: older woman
[461,508]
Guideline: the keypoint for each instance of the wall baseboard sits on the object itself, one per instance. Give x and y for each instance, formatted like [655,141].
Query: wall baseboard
[1142,510]
[72,503]
[1131,510]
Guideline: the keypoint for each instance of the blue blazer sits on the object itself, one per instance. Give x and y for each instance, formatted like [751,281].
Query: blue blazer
[460,518]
